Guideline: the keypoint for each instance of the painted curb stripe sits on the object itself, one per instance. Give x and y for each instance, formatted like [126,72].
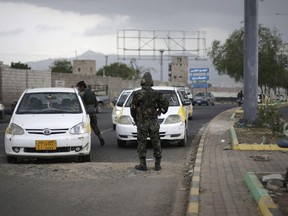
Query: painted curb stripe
[261,196]
[250,147]
[193,206]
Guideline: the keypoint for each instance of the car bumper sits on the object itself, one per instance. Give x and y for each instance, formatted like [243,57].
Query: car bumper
[65,146]
[170,132]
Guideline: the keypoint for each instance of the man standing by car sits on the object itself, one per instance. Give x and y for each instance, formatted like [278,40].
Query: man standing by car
[146,105]
[90,101]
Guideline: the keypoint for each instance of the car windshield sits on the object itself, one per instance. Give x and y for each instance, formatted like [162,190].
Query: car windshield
[53,102]
[122,98]
[169,94]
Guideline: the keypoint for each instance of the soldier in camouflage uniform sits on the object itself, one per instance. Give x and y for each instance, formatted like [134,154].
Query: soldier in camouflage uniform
[146,105]
[89,100]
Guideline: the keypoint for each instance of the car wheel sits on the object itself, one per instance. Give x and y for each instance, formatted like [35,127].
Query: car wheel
[121,143]
[183,141]
[99,107]
[84,158]
[11,159]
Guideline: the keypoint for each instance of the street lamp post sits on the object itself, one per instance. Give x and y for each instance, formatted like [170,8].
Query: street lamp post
[161,64]
[106,59]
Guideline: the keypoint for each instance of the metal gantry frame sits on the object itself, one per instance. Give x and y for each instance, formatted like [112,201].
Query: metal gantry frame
[152,44]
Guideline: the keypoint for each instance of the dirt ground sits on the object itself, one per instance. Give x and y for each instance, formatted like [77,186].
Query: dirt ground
[263,136]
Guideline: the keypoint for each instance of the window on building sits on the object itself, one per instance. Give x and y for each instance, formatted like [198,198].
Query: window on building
[79,70]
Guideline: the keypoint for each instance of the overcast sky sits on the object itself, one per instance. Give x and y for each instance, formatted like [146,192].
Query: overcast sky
[32,30]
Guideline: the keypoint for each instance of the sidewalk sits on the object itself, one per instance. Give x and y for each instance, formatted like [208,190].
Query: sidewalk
[218,186]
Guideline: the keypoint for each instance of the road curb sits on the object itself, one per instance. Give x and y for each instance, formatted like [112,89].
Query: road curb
[193,206]
[260,194]
[251,147]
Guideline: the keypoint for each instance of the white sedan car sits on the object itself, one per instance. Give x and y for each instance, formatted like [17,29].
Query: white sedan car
[119,104]
[49,123]
[173,124]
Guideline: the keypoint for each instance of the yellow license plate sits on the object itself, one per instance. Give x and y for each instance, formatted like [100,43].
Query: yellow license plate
[46,145]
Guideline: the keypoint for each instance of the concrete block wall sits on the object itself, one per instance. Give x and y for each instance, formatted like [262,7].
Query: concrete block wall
[14,81]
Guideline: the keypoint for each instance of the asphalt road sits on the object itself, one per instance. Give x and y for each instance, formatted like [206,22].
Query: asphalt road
[109,185]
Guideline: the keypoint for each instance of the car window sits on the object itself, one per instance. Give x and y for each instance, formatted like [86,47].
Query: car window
[53,102]
[122,98]
[169,94]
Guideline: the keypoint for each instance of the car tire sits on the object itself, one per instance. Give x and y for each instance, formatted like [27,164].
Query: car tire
[84,158]
[121,143]
[11,159]
[183,141]
[100,107]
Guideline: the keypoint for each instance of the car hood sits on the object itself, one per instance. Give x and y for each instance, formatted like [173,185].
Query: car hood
[47,121]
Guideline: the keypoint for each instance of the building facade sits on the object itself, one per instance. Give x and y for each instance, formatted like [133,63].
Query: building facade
[178,71]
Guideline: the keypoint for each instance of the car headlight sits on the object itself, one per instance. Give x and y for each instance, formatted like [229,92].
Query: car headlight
[125,120]
[172,119]
[79,129]
[14,129]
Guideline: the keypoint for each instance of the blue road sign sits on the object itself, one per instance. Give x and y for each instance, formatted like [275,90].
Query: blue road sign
[199,70]
[192,78]
[199,85]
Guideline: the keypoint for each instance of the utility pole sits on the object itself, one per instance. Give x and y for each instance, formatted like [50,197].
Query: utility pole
[106,60]
[161,64]
[250,60]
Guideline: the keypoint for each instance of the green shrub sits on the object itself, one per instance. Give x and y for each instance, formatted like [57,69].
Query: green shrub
[268,116]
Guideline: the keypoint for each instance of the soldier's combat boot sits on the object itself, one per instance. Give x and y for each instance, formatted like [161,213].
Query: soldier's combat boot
[157,164]
[142,166]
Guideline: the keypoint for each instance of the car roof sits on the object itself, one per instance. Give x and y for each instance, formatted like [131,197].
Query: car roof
[51,89]
[160,88]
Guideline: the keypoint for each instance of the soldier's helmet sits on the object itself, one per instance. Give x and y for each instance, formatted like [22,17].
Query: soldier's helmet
[147,79]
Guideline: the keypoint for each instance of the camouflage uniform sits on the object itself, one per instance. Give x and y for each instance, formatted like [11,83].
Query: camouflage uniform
[89,100]
[146,105]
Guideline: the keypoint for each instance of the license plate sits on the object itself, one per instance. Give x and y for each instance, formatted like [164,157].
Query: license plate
[46,145]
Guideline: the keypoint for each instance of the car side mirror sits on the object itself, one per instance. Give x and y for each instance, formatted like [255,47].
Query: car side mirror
[120,103]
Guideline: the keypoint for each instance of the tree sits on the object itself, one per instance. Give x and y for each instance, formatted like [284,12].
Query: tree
[61,66]
[229,57]
[118,70]
[19,65]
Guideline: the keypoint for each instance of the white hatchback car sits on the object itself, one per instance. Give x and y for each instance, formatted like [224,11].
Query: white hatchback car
[49,123]
[173,124]
[119,104]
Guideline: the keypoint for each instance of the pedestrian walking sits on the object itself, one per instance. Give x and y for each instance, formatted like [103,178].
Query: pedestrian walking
[240,98]
[90,101]
[147,104]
